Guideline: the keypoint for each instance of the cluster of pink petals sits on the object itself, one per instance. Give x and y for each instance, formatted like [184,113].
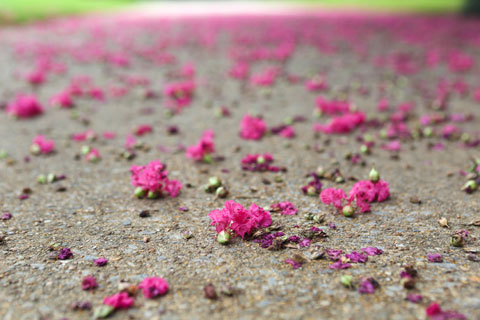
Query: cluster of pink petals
[363,193]
[239,70]
[435,312]
[382,105]
[394,145]
[240,221]
[89,283]
[316,83]
[130,142]
[63,100]
[45,146]
[143,129]
[252,128]
[86,135]
[36,77]
[265,78]
[341,124]
[287,132]
[285,208]
[153,287]
[203,147]
[24,106]
[119,300]
[180,94]
[332,107]
[251,162]
[93,155]
[154,177]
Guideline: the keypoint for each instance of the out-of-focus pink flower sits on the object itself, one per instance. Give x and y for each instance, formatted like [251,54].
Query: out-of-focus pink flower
[448,130]
[24,106]
[434,312]
[394,145]
[93,155]
[382,105]
[143,129]
[109,135]
[205,146]
[36,77]
[366,287]
[252,128]
[460,62]
[239,70]
[62,100]
[339,265]
[188,70]
[153,287]
[372,251]
[265,78]
[285,208]
[154,178]
[434,257]
[287,132]
[341,124]
[119,300]
[89,283]
[82,136]
[130,142]
[316,83]
[100,262]
[179,94]
[42,145]
[332,107]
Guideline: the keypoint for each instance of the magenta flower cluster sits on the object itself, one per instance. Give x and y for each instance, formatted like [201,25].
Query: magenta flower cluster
[153,178]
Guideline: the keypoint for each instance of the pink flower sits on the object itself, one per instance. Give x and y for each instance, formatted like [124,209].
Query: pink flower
[339,265]
[187,70]
[130,142]
[394,145]
[62,100]
[238,219]
[143,129]
[179,94]
[43,145]
[414,297]
[287,132]
[285,208]
[153,287]
[82,136]
[36,77]
[240,70]
[119,301]
[100,262]
[434,312]
[316,83]
[252,128]
[372,251]
[259,162]
[357,257]
[332,107]
[109,135]
[93,155]
[366,286]
[265,78]
[448,130]
[382,105]
[333,196]
[363,192]
[382,190]
[24,106]
[154,178]
[342,124]
[295,264]
[205,146]
[89,283]
[460,62]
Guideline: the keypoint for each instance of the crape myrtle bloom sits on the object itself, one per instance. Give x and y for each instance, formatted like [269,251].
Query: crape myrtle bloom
[368,286]
[239,221]
[65,254]
[203,149]
[179,94]
[285,208]
[89,283]
[260,162]
[119,300]
[62,99]
[435,312]
[313,187]
[152,180]
[153,287]
[265,78]
[41,145]
[372,251]
[100,262]
[86,135]
[239,70]
[332,107]
[143,129]
[341,124]
[252,128]
[434,257]
[93,155]
[316,83]
[24,106]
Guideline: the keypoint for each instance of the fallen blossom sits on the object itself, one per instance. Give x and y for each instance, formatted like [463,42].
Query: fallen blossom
[287,132]
[314,187]
[435,312]
[109,135]
[340,265]
[6,216]
[366,287]
[119,300]
[41,145]
[82,136]
[24,106]
[259,162]
[332,107]
[357,257]
[293,263]
[285,208]
[394,145]
[334,254]
[93,155]
[63,100]
[153,287]
[372,251]
[333,196]
[179,94]
[153,179]
[143,129]
[414,297]
[239,220]
[316,83]
[341,124]
[204,147]
[65,254]
[100,262]
[89,283]
[252,128]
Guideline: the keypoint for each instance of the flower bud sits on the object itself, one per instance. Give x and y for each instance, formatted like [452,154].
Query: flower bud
[311,191]
[152,195]
[457,240]
[139,193]
[374,176]
[214,182]
[470,186]
[35,149]
[222,192]
[42,179]
[347,281]
[85,150]
[347,211]
[223,237]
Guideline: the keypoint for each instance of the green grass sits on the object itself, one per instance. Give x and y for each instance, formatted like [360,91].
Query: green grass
[28,10]
[394,5]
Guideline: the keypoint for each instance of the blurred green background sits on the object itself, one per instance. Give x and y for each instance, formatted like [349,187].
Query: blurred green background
[14,11]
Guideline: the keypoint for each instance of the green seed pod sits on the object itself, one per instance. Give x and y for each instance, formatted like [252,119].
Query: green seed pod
[51,177]
[139,193]
[42,179]
[207,158]
[457,240]
[152,195]
[85,150]
[374,176]
[222,192]
[347,211]
[261,160]
[347,281]
[470,186]
[214,182]
[223,237]
[311,191]
[35,149]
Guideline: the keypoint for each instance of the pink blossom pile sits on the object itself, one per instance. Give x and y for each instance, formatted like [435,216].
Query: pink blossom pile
[252,128]
[119,300]
[205,146]
[43,145]
[259,162]
[179,94]
[154,178]
[239,221]
[341,124]
[24,106]
[317,83]
[63,100]
[332,107]
[153,287]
